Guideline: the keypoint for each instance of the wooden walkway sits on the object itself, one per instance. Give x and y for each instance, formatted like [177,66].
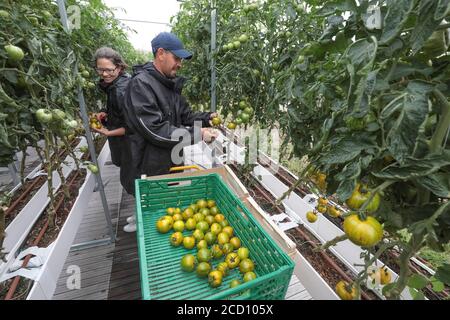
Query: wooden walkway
[111,271]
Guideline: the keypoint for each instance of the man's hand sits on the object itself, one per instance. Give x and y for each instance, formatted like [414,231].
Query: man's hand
[209,135]
[213,115]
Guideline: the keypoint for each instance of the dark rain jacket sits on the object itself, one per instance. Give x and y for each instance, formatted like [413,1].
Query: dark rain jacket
[155,112]
[119,146]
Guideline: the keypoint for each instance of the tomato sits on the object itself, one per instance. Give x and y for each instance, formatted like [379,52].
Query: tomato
[223,267]
[59,115]
[234,283]
[201,204]
[223,238]
[14,53]
[176,239]
[202,244]
[216,121]
[178,226]
[84,149]
[4,15]
[321,208]
[44,116]
[170,211]
[354,123]
[188,263]
[235,242]
[203,269]
[187,213]
[189,242]
[219,217]
[243,253]
[190,224]
[344,291]
[85,74]
[227,248]
[210,238]
[177,217]
[169,218]
[194,207]
[215,278]
[210,203]
[359,196]
[332,211]
[246,265]
[198,235]
[243,38]
[224,223]
[204,255]
[199,217]
[202,226]
[238,121]
[311,216]
[382,275]
[214,210]
[245,117]
[232,260]
[216,228]
[242,104]
[228,230]
[216,251]
[93,168]
[210,219]
[248,110]
[231,125]
[365,233]
[204,211]
[163,225]
[322,201]
[249,276]
[236,44]
[73,124]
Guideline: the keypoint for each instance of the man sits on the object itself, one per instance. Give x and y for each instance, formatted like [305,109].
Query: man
[156,110]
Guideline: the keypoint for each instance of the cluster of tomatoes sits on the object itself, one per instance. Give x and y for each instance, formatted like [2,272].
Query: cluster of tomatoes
[94,123]
[214,238]
[322,207]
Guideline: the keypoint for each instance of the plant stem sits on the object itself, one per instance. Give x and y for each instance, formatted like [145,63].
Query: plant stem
[51,207]
[444,122]
[22,165]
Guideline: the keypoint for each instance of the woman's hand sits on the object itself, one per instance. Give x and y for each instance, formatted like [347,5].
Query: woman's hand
[102,131]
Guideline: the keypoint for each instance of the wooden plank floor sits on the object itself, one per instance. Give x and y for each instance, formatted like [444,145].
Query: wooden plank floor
[112,271]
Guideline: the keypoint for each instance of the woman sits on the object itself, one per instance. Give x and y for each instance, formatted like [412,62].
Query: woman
[110,66]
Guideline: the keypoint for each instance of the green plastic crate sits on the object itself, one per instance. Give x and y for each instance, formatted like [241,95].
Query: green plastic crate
[161,275]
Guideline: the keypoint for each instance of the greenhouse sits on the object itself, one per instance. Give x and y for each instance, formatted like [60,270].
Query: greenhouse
[224,150]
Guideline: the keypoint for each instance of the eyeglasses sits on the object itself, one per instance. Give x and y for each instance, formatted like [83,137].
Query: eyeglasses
[108,71]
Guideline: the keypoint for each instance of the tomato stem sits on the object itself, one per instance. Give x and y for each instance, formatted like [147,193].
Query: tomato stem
[381,187]
[332,242]
[444,123]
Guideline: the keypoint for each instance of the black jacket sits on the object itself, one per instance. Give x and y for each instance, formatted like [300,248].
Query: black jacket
[119,146]
[155,109]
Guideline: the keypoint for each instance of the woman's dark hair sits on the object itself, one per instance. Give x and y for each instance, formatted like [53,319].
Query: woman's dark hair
[110,54]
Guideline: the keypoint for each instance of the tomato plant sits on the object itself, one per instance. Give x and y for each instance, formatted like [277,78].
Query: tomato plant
[362,91]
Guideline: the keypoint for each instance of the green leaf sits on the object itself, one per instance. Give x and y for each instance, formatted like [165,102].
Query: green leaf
[443,274]
[345,189]
[417,281]
[414,109]
[350,171]
[442,9]
[387,288]
[347,149]
[438,183]
[398,11]
[416,294]
[339,5]
[361,52]
[415,168]
[425,24]
[438,286]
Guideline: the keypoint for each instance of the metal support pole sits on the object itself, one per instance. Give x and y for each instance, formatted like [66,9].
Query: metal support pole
[213,53]
[85,118]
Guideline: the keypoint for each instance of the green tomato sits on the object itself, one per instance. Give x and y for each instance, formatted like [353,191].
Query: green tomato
[243,38]
[93,168]
[4,14]
[44,116]
[14,53]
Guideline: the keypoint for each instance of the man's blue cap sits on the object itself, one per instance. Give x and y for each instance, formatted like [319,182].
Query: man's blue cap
[170,42]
